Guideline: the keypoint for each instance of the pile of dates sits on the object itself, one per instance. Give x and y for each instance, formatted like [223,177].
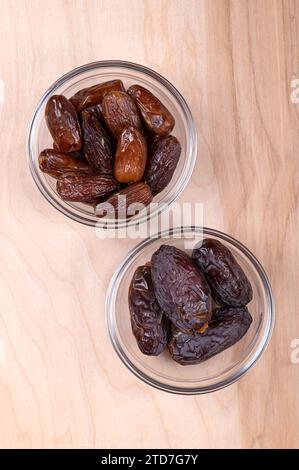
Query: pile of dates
[194,306]
[110,142]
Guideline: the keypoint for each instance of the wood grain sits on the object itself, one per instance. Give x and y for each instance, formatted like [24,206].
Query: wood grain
[61,385]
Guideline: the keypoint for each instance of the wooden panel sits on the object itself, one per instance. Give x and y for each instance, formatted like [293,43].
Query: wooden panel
[61,385]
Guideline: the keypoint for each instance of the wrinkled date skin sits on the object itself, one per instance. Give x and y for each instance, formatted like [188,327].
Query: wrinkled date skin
[63,124]
[130,157]
[180,288]
[126,203]
[163,159]
[78,154]
[150,326]
[119,111]
[227,327]
[86,188]
[98,149]
[93,95]
[228,282]
[56,163]
[156,116]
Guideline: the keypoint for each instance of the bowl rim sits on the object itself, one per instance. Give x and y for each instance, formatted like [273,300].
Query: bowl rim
[111,292]
[146,214]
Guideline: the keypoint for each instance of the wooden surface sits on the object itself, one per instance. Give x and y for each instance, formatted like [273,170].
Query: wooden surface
[61,384]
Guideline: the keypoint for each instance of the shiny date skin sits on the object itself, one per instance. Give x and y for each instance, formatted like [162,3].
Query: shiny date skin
[78,154]
[93,95]
[63,124]
[130,157]
[227,280]
[56,163]
[126,203]
[98,149]
[180,288]
[156,116]
[162,161]
[227,326]
[86,188]
[119,111]
[150,326]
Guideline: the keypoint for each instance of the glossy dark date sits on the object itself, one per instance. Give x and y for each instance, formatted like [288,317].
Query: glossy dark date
[93,95]
[56,163]
[63,124]
[180,288]
[228,282]
[98,149]
[228,325]
[156,116]
[150,326]
[163,159]
[119,111]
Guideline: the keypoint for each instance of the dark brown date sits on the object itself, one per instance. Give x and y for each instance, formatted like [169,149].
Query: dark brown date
[119,111]
[163,159]
[130,157]
[228,325]
[57,163]
[228,282]
[181,290]
[98,149]
[85,188]
[93,95]
[78,154]
[126,203]
[156,116]
[150,326]
[63,124]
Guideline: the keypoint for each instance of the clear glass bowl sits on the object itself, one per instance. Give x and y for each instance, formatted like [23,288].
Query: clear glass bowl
[39,137]
[162,372]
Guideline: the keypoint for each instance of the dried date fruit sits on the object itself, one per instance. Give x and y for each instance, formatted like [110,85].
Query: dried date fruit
[130,157]
[86,188]
[98,149]
[162,162]
[180,288]
[79,155]
[156,116]
[150,326]
[119,111]
[63,124]
[228,282]
[93,95]
[126,203]
[227,326]
[56,163]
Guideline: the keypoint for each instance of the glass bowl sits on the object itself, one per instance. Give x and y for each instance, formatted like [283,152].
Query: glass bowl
[39,137]
[162,372]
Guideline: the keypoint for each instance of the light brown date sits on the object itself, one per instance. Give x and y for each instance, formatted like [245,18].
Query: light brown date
[86,188]
[126,203]
[130,157]
[119,111]
[156,116]
[56,163]
[63,124]
[93,95]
